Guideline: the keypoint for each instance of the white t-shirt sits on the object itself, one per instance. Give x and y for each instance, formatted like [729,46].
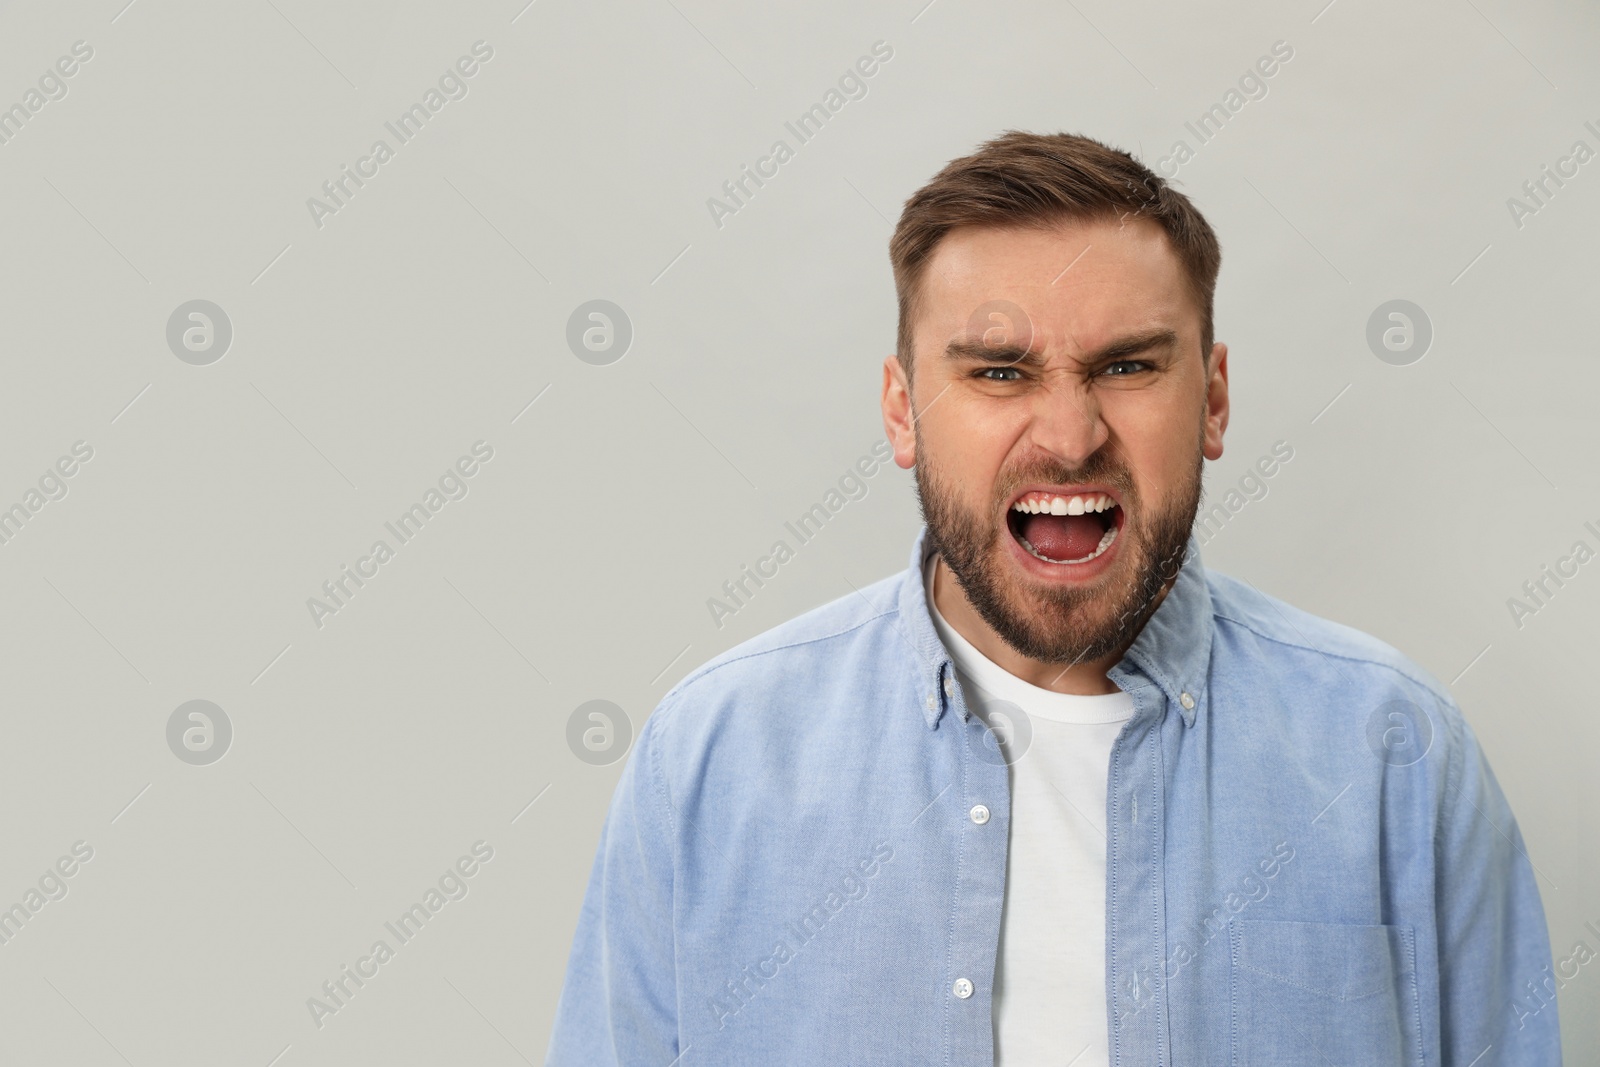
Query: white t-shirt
[1050,980]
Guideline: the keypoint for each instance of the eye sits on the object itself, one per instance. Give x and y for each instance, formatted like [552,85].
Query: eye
[1124,367]
[989,373]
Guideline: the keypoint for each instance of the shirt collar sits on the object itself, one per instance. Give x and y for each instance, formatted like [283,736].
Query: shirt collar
[1173,650]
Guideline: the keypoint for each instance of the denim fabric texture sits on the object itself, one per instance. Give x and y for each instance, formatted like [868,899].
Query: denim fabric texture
[1308,859]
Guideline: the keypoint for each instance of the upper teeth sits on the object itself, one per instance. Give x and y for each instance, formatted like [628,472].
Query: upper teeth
[1065,505]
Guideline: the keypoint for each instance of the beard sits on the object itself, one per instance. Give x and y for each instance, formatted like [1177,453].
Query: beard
[1053,624]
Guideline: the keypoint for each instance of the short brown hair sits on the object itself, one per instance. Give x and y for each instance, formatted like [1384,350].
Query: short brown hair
[1032,179]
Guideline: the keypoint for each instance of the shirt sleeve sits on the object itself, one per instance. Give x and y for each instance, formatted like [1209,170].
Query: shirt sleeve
[1497,999]
[618,1005]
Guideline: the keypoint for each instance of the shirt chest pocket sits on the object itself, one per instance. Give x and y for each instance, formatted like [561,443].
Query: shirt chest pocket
[1322,994]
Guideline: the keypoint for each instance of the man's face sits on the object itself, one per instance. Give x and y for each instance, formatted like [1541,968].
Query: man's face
[1058,417]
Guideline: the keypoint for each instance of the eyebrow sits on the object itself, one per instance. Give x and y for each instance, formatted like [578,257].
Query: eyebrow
[967,350]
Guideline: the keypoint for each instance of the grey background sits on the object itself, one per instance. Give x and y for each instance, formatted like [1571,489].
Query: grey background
[368,354]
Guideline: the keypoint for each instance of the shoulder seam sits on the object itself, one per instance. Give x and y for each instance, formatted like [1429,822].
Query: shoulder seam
[1454,768]
[658,777]
[659,718]
[1443,695]
[711,668]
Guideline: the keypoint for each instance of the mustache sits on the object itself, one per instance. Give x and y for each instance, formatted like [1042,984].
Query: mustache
[1099,468]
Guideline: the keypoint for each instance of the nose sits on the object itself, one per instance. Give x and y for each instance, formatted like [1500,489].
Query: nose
[1066,421]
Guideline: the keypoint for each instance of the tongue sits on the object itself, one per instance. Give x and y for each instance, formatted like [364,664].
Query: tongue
[1062,537]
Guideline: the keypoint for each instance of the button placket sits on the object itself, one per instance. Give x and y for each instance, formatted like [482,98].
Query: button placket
[977,898]
[1135,900]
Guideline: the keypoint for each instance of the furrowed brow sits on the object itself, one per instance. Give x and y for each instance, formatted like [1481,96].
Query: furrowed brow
[1124,347]
[1006,355]
[1001,355]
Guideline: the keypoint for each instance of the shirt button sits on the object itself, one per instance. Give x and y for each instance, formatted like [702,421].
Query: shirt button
[963,988]
[930,702]
[949,688]
[1187,701]
[979,814]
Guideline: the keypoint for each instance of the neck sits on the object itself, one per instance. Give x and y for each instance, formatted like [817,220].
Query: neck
[1079,679]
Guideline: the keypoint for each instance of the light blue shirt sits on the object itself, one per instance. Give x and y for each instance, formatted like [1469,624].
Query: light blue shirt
[1308,860]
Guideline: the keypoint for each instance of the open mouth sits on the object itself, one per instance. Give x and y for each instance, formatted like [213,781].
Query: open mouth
[1065,529]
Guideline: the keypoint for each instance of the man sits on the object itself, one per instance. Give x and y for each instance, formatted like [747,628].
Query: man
[1058,794]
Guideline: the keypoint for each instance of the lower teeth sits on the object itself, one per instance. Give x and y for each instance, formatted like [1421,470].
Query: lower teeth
[1105,542]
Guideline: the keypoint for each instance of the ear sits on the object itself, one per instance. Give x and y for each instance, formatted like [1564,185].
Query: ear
[897,415]
[1216,401]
